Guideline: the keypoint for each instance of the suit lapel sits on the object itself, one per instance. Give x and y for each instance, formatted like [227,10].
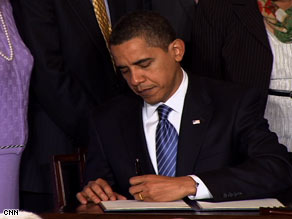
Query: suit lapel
[133,133]
[196,115]
[85,13]
[248,13]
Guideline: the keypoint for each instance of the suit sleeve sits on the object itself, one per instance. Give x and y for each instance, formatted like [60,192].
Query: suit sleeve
[54,86]
[264,169]
[98,158]
[97,165]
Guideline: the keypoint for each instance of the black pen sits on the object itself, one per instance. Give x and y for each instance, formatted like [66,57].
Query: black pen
[138,167]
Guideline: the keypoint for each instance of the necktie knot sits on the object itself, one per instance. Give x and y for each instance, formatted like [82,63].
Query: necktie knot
[163,111]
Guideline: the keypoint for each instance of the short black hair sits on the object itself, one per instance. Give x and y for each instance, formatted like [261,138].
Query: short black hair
[154,28]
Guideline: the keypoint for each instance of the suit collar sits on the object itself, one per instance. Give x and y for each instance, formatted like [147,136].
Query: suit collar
[195,120]
[249,14]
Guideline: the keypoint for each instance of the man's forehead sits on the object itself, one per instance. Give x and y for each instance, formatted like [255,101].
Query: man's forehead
[134,50]
[134,41]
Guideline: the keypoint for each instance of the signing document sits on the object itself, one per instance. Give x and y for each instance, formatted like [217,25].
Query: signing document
[134,205]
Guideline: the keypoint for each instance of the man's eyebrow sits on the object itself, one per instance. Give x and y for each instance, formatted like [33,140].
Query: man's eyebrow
[121,66]
[142,61]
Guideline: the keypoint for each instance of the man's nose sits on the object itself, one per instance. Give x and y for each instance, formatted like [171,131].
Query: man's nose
[137,77]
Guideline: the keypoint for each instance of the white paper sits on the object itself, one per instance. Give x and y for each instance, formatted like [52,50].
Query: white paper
[132,205]
[240,205]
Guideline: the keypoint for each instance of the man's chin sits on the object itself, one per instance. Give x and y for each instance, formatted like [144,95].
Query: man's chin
[150,100]
[150,96]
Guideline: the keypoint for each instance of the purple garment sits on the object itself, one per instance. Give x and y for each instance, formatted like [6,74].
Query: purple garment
[14,84]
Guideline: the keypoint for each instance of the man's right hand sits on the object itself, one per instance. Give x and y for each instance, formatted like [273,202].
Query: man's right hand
[97,191]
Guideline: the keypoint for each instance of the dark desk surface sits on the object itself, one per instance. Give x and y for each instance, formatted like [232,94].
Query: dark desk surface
[157,216]
[92,211]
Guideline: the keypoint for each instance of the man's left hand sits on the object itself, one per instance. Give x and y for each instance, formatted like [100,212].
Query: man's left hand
[161,188]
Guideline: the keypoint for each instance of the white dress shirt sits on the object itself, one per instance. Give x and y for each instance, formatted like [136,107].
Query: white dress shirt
[151,119]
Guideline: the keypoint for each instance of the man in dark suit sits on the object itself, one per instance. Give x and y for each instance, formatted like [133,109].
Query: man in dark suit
[224,149]
[73,72]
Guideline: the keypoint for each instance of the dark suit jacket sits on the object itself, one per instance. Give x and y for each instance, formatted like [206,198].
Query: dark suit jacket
[180,15]
[73,72]
[178,12]
[232,150]
[231,43]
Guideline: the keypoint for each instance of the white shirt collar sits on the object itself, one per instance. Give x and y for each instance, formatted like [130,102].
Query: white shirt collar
[175,102]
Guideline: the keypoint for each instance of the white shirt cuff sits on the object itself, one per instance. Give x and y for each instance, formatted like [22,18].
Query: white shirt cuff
[202,190]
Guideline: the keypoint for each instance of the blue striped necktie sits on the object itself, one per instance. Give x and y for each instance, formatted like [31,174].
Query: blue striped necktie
[166,143]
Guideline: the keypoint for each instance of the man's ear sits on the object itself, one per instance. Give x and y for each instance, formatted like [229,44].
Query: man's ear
[177,48]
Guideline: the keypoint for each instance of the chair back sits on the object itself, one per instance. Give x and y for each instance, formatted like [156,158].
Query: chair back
[68,174]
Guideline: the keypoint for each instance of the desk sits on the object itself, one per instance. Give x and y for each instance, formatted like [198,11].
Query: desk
[158,216]
[92,211]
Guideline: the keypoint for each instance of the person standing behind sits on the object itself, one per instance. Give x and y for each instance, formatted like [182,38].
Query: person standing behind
[73,72]
[180,15]
[15,69]
[249,42]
